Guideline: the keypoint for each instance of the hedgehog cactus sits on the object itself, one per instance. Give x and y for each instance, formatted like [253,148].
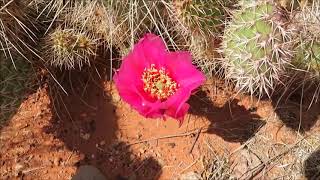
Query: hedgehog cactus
[201,22]
[257,48]
[308,58]
[199,16]
[69,48]
[81,29]
[308,45]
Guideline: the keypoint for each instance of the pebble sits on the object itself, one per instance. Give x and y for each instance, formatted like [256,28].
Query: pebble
[102,143]
[190,176]
[18,167]
[57,161]
[115,97]
[88,172]
[85,136]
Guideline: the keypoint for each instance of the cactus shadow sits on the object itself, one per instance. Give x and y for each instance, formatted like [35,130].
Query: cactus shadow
[296,111]
[86,121]
[311,166]
[232,122]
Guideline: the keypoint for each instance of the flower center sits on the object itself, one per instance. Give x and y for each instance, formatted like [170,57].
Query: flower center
[158,83]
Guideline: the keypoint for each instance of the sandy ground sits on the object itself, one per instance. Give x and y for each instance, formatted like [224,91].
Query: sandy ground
[52,134]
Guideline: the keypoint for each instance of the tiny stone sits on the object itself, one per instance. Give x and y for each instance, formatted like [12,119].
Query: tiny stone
[57,161]
[88,172]
[142,151]
[102,143]
[115,97]
[19,167]
[172,145]
[190,176]
[85,136]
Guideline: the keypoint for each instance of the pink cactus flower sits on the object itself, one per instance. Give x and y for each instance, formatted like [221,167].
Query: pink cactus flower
[156,82]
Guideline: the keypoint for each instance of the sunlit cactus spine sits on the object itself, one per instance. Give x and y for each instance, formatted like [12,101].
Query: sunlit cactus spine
[257,48]
[135,18]
[69,48]
[292,5]
[307,49]
[94,18]
[201,23]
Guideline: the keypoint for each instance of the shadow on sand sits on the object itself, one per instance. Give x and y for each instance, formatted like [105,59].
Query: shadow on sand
[232,122]
[85,120]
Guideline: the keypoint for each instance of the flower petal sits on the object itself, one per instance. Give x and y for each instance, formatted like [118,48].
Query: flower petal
[136,98]
[181,69]
[149,50]
[153,48]
[176,106]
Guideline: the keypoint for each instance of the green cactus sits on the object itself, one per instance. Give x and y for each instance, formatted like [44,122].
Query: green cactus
[307,49]
[257,48]
[201,23]
[200,16]
[308,58]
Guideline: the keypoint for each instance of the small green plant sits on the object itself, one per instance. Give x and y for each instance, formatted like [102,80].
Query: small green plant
[257,48]
[15,80]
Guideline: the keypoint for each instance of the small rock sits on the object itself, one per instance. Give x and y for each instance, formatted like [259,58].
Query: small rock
[88,172]
[83,115]
[57,161]
[139,136]
[102,143]
[115,97]
[142,150]
[85,136]
[172,145]
[18,167]
[190,176]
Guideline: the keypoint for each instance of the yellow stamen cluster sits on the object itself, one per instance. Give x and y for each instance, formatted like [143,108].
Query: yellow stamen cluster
[158,83]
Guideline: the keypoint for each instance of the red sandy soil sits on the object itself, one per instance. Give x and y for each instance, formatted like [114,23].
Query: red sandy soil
[52,134]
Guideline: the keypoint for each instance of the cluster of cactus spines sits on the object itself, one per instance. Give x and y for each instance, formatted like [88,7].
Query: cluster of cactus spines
[16,28]
[291,5]
[84,28]
[257,48]
[201,22]
[137,17]
[199,16]
[93,18]
[47,8]
[307,57]
[70,48]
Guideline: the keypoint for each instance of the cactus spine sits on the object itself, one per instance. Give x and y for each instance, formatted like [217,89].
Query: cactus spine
[257,48]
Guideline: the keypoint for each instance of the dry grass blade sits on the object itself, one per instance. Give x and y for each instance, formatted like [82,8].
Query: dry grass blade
[17,31]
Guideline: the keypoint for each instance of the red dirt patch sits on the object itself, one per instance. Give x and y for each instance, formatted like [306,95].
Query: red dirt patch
[53,133]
